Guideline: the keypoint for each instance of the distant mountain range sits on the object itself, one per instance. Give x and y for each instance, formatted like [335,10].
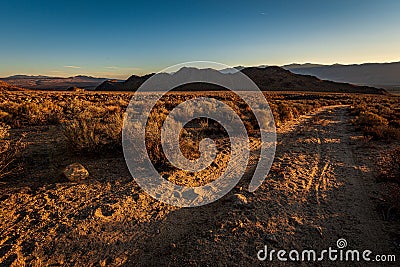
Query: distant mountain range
[379,75]
[382,75]
[53,83]
[266,78]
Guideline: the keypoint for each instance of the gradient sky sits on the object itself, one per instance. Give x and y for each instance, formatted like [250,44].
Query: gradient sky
[118,38]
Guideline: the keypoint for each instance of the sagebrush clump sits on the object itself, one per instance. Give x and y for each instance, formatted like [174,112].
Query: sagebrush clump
[9,152]
[88,132]
[378,119]
[389,166]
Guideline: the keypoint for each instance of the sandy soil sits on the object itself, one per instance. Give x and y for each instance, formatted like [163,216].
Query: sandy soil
[321,188]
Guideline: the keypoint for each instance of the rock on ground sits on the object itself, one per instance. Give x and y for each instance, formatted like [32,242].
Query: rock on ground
[75,172]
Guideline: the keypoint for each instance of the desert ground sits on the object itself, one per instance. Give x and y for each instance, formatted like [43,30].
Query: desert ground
[334,176]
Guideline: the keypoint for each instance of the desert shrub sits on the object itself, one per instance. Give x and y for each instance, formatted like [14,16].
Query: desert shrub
[90,133]
[4,116]
[377,120]
[369,119]
[4,131]
[9,152]
[153,137]
[42,113]
[9,113]
[382,132]
[389,166]
[285,112]
[51,112]
[30,113]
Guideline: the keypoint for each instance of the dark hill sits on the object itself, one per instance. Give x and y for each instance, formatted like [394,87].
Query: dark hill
[267,79]
[8,87]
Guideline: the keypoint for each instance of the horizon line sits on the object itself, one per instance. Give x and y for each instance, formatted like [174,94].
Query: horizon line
[245,66]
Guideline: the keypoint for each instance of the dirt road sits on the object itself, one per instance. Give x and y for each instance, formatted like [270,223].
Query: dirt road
[321,188]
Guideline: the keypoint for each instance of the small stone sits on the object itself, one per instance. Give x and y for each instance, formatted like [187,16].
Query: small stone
[75,172]
[238,200]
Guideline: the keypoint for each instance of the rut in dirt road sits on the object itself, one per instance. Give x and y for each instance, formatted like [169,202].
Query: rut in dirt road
[315,194]
[327,191]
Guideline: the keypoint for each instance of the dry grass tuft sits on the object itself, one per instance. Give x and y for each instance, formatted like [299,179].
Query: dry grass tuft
[18,114]
[9,152]
[90,133]
[378,118]
[389,166]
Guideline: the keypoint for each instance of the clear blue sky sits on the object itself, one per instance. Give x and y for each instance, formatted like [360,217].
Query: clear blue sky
[119,38]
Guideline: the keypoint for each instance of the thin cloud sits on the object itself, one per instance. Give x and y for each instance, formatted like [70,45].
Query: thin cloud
[120,68]
[72,67]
